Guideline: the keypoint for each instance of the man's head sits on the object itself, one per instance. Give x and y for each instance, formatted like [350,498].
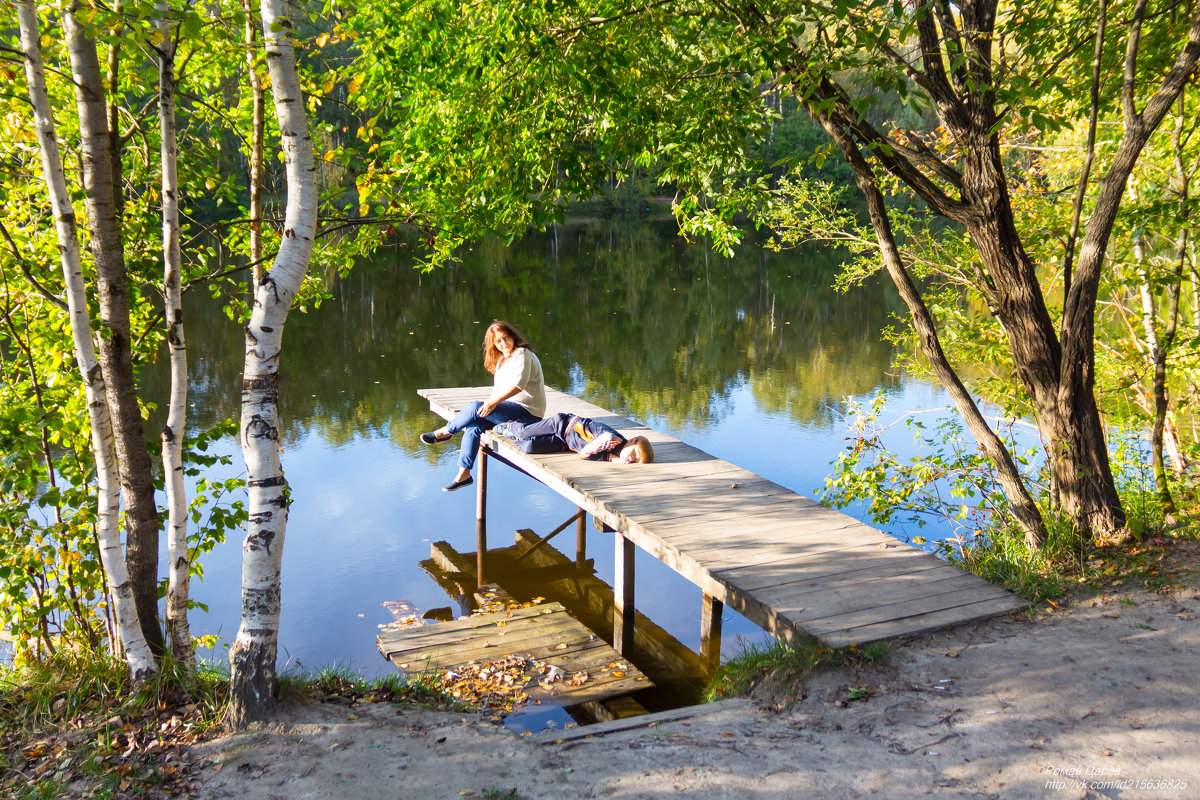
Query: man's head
[637,451]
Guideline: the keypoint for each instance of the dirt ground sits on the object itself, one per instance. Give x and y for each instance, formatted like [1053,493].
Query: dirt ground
[1098,699]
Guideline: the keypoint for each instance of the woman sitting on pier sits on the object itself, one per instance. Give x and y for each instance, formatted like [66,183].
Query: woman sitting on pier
[518,395]
[592,440]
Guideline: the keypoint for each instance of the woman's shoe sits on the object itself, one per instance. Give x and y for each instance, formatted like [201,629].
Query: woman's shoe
[433,438]
[450,487]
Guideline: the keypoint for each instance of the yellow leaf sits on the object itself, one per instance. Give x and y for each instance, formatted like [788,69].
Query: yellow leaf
[355,84]
[329,155]
[328,86]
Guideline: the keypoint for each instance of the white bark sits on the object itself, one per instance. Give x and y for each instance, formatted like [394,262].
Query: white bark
[179,637]
[258,126]
[252,655]
[137,652]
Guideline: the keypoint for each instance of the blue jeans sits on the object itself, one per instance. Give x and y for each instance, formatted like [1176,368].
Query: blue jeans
[472,426]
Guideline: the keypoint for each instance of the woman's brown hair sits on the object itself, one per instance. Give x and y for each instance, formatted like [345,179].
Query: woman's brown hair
[491,353]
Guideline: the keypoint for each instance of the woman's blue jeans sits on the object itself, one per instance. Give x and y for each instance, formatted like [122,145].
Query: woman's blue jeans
[472,426]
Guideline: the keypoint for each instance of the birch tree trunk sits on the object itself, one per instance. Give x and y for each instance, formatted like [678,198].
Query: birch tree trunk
[256,149]
[116,359]
[252,655]
[137,652]
[179,637]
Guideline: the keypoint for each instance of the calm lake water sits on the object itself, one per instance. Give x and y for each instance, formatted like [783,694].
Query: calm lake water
[748,358]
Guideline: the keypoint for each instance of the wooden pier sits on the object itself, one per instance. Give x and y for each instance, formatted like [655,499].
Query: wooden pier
[785,562]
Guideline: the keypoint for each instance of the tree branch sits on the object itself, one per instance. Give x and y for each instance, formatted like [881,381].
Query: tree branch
[24,265]
[1128,109]
[1090,151]
[842,113]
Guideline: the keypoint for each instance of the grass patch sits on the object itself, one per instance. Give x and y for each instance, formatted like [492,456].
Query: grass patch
[1148,557]
[784,666]
[494,793]
[72,726]
[339,684]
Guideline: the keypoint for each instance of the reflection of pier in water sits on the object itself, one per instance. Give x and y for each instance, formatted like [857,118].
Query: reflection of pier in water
[527,570]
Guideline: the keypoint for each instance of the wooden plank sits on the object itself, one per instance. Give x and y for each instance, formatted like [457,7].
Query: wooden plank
[927,605]
[795,541]
[862,560]
[579,655]
[471,623]
[554,630]
[908,626]
[880,598]
[653,720]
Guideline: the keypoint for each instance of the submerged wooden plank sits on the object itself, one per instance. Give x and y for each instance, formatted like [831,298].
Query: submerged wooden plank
[789,564]
[543,634]
[652,720]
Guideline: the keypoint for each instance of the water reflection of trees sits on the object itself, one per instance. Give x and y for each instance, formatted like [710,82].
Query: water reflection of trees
[626,315]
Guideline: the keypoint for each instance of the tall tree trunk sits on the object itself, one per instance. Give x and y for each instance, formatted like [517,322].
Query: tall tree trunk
[133,457]
[258,100]
[1078,322]
[252,655]
[179,636]
[137,652]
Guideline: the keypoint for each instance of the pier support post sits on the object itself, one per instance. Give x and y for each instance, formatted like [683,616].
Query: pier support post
[623,595]
[481,516]
[481,488]
[580,539]
[711,610]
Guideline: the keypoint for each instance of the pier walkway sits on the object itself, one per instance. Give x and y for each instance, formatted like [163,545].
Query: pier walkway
[785,562]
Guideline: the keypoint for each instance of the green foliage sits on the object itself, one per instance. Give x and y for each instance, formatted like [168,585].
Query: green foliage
[948,480]
[1001,556]
[488,118]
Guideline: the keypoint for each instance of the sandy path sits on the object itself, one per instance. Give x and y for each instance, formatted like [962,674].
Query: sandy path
[1101,699]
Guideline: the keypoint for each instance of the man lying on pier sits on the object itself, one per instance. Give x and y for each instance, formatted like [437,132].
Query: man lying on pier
[592,440]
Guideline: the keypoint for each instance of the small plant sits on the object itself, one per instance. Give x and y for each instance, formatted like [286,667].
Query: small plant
[858,693]
[494,793]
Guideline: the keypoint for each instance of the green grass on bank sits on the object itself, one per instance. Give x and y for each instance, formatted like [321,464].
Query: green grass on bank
[72,726]
[779,668]
[1149,554]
